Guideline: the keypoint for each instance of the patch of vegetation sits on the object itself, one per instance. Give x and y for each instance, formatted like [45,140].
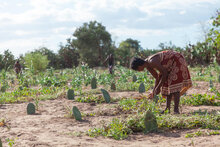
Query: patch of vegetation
[127,104]
[26,94]
[91,99]
[117,129]
[200,99]
[202,133]
[121,128]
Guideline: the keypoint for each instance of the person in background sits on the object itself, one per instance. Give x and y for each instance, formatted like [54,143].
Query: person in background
[110,59]
[172,77]
[17,67]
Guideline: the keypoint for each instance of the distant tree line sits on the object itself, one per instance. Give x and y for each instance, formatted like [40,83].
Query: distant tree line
[91,44]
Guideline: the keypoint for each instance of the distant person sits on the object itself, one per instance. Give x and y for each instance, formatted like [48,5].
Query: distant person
[170,70]
[17,67]
[110,60]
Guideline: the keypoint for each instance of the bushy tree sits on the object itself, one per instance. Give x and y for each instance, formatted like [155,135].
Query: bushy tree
[93,43]
[51,56]
[214,36]
[36,62]
[7,60]
[126,50]
[68,56]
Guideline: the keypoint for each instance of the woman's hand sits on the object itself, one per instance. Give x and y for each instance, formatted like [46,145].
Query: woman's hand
[157,91]
[150,96]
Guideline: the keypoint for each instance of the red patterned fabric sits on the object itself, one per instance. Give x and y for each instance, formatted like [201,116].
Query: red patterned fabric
[178,79]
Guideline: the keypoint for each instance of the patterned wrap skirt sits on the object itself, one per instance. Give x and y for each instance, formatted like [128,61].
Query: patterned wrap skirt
[178,79]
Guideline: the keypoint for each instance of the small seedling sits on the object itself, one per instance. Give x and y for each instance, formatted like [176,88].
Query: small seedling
[156,98]
[106,95]
[150,122]
[94,83]
[30,108]
[3,88]
[20,88]
[210,84]
[36,100]
[134,78]
[70,94]
[11,142]
[76,113]
[141,88]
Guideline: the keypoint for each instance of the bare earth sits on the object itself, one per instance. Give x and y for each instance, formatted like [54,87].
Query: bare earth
[51,127]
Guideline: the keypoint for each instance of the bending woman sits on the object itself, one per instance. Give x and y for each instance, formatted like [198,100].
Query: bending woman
[169,68]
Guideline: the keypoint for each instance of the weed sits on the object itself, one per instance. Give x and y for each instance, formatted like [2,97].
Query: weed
[200,99]
[11,142]
[201,133]
[117,129]
[69,112]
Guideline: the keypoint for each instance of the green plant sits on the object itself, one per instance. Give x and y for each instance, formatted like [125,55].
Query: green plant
[106,96]
[116,129]
[128,104]
[70,94]
[141,88]
[150,122]
[200,99]
[134,78]
[76,113]
[30,108]
[93,83]
[216,92]
[36,101]
[11,142]
[208,121]
[36,61]
[210,84]
[201,133]
[90,99]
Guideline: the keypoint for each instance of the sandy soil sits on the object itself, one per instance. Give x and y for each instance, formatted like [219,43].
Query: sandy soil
[51,127]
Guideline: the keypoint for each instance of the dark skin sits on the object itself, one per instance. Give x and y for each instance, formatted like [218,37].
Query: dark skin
[152,64]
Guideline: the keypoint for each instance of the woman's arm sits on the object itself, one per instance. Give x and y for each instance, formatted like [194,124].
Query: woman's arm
[156,84]
[155,63]
[157,80]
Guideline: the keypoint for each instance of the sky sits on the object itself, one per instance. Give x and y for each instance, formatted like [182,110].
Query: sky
[26,25]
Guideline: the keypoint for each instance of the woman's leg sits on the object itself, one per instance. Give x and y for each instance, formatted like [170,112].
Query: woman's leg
[176,102]
[169,98]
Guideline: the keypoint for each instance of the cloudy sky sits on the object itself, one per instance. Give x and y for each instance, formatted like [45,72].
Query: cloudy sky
[26,25]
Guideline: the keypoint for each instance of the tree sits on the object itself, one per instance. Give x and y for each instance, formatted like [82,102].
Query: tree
[51,56]
[7,60]
[214,35]
[126,50]
[93,43]
[36,62]
[68,56]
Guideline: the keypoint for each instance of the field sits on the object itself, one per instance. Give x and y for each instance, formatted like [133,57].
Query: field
[118,123]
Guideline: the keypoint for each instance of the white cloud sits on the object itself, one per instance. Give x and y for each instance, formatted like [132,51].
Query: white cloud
[74,15]
[182,12]
[21,32]
[3,4]
[122,31]
[61,17]
[60,30]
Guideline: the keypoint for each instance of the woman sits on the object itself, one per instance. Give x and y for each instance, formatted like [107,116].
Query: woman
[169,68]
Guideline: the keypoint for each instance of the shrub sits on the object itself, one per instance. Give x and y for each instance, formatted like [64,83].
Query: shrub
[36,62]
